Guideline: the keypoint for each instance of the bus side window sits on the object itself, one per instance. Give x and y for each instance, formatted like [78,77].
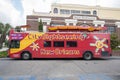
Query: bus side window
[71,43]
[107,41]
[58,43]
[47,43]
[15,44]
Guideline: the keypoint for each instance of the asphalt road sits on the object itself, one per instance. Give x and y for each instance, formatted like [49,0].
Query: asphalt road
[60,69]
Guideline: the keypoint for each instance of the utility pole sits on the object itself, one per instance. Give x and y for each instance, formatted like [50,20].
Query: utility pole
[55,1]
[97,2]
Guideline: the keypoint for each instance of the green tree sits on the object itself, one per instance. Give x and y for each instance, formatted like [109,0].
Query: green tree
[4,30]
[6,43]
[40,27]
[114,41]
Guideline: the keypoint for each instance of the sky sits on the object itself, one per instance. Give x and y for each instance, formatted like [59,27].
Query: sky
[14,11]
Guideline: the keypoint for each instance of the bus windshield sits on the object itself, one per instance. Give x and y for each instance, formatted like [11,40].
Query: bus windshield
[15,44]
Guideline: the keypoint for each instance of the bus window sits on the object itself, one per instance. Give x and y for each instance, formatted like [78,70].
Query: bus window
[107,41]
[47,43]
[15,44]
[71,43]
[58,43]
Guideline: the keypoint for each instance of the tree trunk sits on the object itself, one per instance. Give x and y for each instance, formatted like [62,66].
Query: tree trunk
[2,39]
[1,43]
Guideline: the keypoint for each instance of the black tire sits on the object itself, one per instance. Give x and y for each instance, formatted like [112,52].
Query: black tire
[25,56]
[87,55]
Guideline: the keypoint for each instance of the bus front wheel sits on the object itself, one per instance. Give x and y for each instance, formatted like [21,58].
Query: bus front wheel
[26,56]
[87,55]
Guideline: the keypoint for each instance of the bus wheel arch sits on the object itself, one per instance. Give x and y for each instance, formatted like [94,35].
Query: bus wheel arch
[87,55]
[26,55]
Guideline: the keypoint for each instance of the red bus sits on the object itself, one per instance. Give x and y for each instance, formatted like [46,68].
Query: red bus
[87,45]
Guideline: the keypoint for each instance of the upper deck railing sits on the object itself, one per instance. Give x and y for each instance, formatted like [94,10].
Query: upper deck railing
[69,29]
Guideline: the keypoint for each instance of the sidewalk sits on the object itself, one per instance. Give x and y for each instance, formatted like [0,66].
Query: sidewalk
[3,49]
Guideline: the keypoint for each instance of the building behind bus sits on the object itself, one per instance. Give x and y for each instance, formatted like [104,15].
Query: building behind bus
[77,15]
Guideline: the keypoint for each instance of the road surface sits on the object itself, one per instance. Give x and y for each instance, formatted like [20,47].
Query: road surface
[60,69]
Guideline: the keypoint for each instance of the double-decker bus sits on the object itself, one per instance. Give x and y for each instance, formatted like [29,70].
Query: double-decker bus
[87,45]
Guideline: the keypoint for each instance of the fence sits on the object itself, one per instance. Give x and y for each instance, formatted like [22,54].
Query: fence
[116,53]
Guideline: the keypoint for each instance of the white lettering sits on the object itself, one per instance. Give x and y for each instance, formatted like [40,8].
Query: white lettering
[85,17]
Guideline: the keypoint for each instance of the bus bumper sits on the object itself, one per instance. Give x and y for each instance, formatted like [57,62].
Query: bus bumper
[14,56]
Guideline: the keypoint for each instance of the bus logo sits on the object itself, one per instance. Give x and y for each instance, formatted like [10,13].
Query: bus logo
[99,44]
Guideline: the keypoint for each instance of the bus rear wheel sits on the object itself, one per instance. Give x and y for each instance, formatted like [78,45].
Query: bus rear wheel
[87,55]
[25,56]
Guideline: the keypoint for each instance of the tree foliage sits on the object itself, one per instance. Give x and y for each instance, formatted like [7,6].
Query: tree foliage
[114,41]
[40,27]
[4,30]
